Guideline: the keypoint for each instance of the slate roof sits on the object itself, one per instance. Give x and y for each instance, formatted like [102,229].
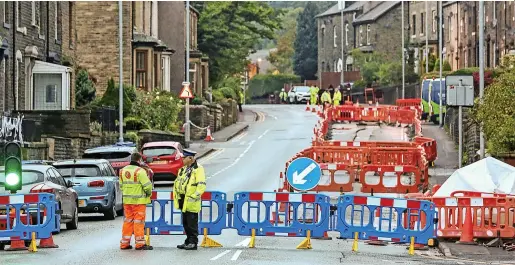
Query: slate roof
[334,9]
[376,12]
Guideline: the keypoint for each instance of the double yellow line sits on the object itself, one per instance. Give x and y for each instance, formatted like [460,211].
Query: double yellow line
[261,116]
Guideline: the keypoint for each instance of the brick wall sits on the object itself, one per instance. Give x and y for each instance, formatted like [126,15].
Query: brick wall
[60,123]
[97,41]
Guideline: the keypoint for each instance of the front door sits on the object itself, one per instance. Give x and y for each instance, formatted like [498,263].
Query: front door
[48,91]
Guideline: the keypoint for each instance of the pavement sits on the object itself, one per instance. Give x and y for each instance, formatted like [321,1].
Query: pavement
[447,161]
[250,161]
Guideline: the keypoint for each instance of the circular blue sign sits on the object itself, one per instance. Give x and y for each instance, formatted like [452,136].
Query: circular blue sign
[303,174]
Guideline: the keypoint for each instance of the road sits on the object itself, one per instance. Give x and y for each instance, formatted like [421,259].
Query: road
[249,162]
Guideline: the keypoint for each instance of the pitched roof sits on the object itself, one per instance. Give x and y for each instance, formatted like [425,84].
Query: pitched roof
[376,12]
[335,10]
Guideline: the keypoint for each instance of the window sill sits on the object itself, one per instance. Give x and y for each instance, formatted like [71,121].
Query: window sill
[58,42]
[7,25]
[22,30]
[41,37]
[71,47]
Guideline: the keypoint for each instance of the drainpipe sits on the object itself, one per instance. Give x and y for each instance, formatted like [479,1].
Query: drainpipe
[48,31]
[13,57]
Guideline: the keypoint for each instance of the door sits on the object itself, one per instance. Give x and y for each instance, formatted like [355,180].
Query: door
[60,189]
[48,91]
[69,195]
[112,175]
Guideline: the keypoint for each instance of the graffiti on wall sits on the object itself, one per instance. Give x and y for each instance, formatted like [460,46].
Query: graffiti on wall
[11,128]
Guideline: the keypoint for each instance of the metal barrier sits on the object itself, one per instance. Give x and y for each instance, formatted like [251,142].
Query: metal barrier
[379,219]
[28,217]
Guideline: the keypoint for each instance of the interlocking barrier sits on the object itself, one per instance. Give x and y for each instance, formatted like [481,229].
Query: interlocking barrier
[380,219]
[392,179]
[283,214]
[27,217]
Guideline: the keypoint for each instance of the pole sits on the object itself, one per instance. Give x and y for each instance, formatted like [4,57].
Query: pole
[341,41]
[120,87]
[403,52]
[440,48]
[187,110]
[481,72]
[427,36]
[460,136]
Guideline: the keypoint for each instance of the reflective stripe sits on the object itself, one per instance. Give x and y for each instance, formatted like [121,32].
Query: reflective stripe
[125,241]
[202,183]
[139,221]
[127,237]
[128,221]
[197,194]
[146,184]
[134,196]
[136,174]
[129,182]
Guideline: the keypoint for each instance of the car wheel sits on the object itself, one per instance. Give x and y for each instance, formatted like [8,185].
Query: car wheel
[111,213]
[2,246]
[74,223]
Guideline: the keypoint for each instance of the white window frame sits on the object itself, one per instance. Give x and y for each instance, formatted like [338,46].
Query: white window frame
[435,23]
[335,37]
[33,6]
[360,35]
[18,18]
[48,68]
[368,34]
[346,34]
[55,20]
[4,5]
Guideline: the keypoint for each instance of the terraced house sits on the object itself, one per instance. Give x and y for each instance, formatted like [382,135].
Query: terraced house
[36,44]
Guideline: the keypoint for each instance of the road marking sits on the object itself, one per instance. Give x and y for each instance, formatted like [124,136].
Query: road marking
[243,243]
[261,116]
[211,156]
[220,255]
[263,134]
[236,255]
[235,161]
[239,137]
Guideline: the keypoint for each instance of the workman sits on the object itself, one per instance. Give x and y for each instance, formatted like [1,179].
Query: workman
[189,187]
[283,96]
[136,192]
[317,99]
[313,92]
[337,97]
[242,98]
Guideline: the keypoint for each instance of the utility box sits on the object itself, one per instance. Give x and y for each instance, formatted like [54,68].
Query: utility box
[460,90]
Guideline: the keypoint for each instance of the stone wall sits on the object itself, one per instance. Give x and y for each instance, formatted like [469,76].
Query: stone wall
[62,123]
[146,136]
[470,133]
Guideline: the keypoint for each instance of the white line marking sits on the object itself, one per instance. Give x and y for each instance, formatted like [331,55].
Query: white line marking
[243,243]
[239,137]
[263,134]
[209,157]
[220,255]
[236,255]
[235,161]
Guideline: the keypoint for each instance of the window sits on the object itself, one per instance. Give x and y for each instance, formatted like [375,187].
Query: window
[435,20]
[414,26]
[71,36]
[56,13]
[323,67]
[334,37]
[18,9]
[422,23]
[360,36]
[347,34]
[141,69]
[51,94]
[159,151]
[449,20]
[323,36]
[151,18]
[42,21]
[78,170]
[29,177]
[461,25]
[143,15]
[33,6]
[4,7]
[156,73]
[368,34]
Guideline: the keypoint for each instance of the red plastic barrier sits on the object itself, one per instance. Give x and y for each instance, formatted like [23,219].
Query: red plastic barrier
[408,179]
[345,113]
[430,147]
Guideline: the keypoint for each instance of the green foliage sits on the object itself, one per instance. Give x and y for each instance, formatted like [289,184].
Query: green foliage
[159,109]
[306,44]
[84,89]
[131,137]
[445,67]
[227,92]
[229,30]
[111,97]
[497,113]
[196,101]
[390,73]
[262,85]
[431,64]
[282,58]
[132,123]
[359,85]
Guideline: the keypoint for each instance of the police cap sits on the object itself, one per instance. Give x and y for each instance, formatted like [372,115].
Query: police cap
[187,152]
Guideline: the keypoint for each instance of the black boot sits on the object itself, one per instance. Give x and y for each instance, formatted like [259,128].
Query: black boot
[145,248]
[190,247]
[181,246]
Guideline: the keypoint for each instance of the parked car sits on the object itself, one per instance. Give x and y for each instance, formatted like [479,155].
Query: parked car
[299,94]
[96,183]
[164,158]
[46,179]
[37,162]
[119,154]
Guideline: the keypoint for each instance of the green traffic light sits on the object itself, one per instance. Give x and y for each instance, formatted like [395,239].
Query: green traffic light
[12,166]
[12,179]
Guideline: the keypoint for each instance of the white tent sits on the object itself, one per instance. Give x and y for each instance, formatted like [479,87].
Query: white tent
[487,175]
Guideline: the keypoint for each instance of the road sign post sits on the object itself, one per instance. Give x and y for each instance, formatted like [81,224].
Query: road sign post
[186,94]
[303,174]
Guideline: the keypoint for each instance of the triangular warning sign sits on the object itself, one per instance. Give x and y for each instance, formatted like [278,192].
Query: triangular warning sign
[186,92]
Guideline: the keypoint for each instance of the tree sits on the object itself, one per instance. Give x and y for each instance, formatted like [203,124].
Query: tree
[111,96]
[305,57]
[282,58]
[229,30]
[84,89]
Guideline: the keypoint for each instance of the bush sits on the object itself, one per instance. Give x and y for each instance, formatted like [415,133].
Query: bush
[445,67]
[131,137]
[227,92]
[497,113]
[135,124]
[159,109]
[265,84]
[111,97]
[196,101]
[84,89]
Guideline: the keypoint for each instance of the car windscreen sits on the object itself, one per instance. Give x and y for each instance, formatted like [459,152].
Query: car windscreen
[29,177]
[159,151]
[107,155]
[78,170]
[303,89]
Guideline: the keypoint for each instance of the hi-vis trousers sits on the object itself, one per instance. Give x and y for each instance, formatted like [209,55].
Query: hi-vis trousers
[134,223]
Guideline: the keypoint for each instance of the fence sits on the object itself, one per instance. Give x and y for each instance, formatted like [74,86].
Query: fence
[106,116]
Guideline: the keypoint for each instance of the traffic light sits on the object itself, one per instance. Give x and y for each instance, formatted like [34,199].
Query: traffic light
[12,164]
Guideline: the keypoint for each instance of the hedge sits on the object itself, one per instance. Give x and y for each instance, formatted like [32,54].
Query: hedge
[264,84]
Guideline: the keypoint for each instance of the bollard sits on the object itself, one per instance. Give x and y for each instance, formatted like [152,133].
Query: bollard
[32,246]
[147,237]
[411,250]
[252,243]
[355,243]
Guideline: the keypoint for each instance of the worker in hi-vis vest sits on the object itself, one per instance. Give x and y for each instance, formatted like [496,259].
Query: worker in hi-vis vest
[136,192]
[337,97]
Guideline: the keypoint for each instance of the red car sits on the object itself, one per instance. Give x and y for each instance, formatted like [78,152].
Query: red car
[164,158]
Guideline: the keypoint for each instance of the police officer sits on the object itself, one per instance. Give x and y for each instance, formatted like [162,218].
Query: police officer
[283,96]
[136,191]
[189,186]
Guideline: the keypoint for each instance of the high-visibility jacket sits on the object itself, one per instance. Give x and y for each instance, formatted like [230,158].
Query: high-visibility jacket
[283,95]
[135,185]
[241,97]
[337,97]
[326,97]
[190,184]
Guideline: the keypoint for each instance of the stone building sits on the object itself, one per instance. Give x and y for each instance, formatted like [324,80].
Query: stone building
[33,37]
[419,20]
[174,13]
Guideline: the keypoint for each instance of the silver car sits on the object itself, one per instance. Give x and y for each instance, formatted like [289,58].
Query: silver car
[96,183]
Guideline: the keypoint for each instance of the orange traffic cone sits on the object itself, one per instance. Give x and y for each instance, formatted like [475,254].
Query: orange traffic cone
[313,108]
[209,138]
[467,232]
[47,243]
[16,244]
[307,106]
[325,237]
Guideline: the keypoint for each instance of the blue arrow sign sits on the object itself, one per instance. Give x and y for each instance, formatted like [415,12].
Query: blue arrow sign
[303,174]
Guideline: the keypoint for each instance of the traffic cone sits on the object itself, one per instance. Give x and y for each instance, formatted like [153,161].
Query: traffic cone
[467,232]
[313,108]
[17,244]
[307,106]
[209,138]
[47,243]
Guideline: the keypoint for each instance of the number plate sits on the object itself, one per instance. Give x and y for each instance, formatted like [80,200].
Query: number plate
[158,162]
[82,203]
[2,212]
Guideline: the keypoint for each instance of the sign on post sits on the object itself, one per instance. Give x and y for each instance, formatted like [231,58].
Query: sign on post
[186,91]
[460,90]
[303,174]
